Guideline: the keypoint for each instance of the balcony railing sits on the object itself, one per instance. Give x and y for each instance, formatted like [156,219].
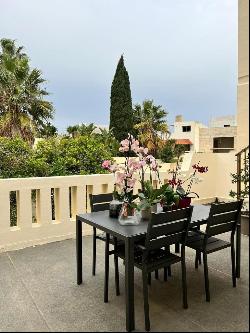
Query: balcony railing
[43,209]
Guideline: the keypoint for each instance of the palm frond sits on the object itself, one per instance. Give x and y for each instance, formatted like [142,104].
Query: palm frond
[22,104]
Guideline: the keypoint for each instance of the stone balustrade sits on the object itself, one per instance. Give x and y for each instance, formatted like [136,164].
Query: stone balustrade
[45,207]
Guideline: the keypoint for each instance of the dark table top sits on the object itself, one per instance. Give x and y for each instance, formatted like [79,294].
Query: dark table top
[102,221]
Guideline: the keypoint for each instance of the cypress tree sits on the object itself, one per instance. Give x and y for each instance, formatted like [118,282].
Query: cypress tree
[121,113]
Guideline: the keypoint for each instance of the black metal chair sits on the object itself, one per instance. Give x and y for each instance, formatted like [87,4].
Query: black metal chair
[223,217]
[164,229]
[100,202]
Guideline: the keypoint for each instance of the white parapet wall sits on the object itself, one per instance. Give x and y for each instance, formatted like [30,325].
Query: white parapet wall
[216,183]
[45,230]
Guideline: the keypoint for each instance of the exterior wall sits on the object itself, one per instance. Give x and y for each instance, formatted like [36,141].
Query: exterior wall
[217,181]
[221,121]
[243,75]
[208,134]
[193,135]
[243,38]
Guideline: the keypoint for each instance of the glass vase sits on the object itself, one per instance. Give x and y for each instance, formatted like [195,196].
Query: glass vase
[114,208]
[128,215]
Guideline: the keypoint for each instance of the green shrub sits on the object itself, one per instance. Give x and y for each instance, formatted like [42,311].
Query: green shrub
[170,151]
[167,153]
[52,157]
[14,157]
[243,178]
[70,156]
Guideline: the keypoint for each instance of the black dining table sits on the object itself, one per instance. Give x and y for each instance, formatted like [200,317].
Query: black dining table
[130,234]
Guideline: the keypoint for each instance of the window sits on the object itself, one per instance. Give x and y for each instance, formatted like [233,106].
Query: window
[186,128]
[223,144]
[226,125]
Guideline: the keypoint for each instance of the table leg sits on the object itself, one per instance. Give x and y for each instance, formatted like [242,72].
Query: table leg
[238,249]
[79,250]
[106,279]
[129,284]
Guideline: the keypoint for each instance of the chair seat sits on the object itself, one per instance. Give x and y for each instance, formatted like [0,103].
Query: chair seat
[157,259]
[195,241]
[194,235]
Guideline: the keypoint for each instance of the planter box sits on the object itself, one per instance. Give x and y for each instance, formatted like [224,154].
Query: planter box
[245,225]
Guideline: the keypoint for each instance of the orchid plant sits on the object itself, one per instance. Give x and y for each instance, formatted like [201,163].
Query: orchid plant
[175,194]
[126,176]
[126,173]
[177,183]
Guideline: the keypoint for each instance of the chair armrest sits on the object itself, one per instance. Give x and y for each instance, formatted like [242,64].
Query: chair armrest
[197,231]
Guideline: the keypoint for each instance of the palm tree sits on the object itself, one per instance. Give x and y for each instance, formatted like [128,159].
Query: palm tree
[86,129]
[81,130]
[22,105]
[72,130]
[151,125]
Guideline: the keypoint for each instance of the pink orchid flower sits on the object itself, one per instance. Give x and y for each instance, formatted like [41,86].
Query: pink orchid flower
[131,182]
[113,167]
[120,177]
[106,164]
[142,163]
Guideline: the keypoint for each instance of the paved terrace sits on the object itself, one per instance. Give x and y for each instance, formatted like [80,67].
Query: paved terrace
[38,292]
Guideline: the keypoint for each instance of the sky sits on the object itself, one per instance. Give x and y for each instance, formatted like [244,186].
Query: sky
[180,53]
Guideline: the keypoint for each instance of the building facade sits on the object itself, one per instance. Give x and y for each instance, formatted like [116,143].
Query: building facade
[187,133]
[243,75]
[220,136]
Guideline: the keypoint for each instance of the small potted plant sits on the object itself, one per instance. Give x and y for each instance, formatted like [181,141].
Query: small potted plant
[243,194]
[149,198]
[169,198]
[177,184]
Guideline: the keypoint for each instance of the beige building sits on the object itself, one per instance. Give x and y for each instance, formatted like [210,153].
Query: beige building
[187,133]
[224,121]
[220,136]
[243,75]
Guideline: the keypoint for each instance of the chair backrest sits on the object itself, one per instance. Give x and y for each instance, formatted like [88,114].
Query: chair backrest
[223,217]
[168,228]
[99,202]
